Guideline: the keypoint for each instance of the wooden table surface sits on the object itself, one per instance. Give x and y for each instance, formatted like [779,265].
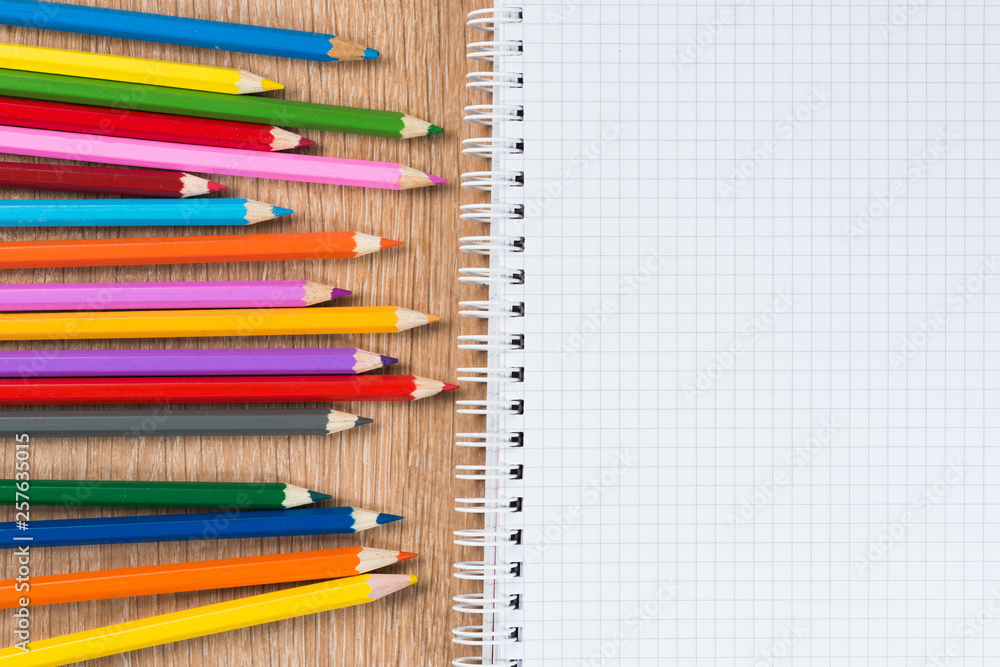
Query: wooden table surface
[403,463]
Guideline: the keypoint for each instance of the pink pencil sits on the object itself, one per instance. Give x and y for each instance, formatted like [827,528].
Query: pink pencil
[211,159]
[159,296]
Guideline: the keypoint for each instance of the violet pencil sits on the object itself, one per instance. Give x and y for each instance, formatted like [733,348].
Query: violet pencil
[168,363]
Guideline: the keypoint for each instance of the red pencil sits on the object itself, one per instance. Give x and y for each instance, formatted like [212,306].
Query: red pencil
[274,389]
[146,125]
[104,180]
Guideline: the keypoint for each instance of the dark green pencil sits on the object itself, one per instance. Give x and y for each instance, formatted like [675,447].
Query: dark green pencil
[246,108]
[88,493]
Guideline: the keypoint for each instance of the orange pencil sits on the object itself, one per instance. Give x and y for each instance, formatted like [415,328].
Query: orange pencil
[188,249]
[199,576]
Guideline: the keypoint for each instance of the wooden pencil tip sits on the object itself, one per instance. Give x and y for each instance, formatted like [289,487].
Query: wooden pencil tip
[342,49]
[385,584]
[433,318]
[410,178]
[248,82]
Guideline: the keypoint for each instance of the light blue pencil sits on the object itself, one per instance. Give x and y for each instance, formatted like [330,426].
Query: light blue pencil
[180,30]
[135,212]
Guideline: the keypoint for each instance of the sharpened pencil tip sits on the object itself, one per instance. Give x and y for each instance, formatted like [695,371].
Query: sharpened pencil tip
[383,519]
[435,129]
[388,361]
[279,211]
[363,421]
[450,387]
[389,243]
[317,497]
[303,142]
[338,293]
[216,187]
[370,54]
[437,180]
[405,555]
[433,318]
[267,84]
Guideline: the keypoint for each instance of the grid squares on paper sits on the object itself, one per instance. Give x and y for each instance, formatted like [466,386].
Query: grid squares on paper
[761,325]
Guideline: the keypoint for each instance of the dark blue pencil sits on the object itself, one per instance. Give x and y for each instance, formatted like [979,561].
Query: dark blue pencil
[185,527]
[179,30]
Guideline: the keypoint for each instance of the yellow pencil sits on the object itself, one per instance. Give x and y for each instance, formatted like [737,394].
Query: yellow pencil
[208,323]
[133,70]
[208,620]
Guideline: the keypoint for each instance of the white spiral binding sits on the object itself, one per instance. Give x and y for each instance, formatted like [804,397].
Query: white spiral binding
[499,184]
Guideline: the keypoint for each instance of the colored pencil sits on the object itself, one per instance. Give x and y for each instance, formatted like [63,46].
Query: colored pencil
[179,362]
[150,296]
[188,249]
[185,527]
[212,160]
[104,180]
[200,576]
[245,108]
[182,30]
[174,423]
[177,495]
[107,67]
[209,323]
[251,389]
[201,621]
[135,212]
[149,126]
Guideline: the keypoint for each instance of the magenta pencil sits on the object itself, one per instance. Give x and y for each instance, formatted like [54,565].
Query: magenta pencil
[160,296]
[212,160]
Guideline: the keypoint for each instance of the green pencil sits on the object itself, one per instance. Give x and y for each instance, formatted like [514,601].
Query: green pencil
[246,108]
[88,493]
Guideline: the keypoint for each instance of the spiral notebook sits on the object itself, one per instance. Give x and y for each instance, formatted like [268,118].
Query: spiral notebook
[742,352]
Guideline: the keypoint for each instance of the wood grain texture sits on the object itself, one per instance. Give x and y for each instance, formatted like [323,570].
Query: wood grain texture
[404,463]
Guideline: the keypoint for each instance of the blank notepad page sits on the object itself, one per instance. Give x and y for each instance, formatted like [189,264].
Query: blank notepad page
[761,323]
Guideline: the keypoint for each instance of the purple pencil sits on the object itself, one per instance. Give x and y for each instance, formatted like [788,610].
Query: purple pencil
[164,363]
[161,296]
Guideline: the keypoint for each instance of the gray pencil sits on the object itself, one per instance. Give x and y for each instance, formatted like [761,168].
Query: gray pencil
[170,422]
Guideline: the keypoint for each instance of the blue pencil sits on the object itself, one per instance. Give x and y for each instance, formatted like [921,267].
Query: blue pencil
[185,527]
[184,31]
[135,212]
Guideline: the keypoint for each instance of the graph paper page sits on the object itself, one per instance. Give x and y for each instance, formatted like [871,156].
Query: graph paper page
[761,297]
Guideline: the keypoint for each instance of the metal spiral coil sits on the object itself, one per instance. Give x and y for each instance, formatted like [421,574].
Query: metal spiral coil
[498,184]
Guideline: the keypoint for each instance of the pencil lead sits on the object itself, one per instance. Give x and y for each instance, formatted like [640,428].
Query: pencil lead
[363,421]
[450,387]
[303,142]
[387,518]
[316,496]
[216,187]
[388,361]
[433,318]
[370,54]
[279,211]
[389,243]
[435,129]
[405,555]
[339,293]
[267,84]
